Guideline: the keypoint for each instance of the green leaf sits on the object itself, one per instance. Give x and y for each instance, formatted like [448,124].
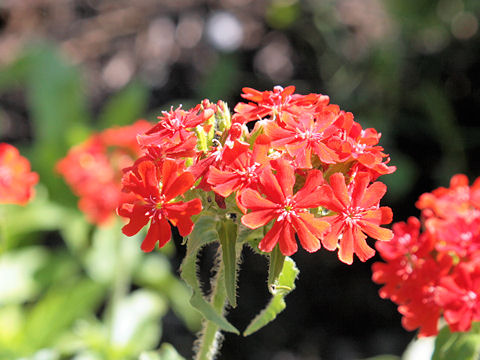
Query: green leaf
[17,268]
[227,231]
[136,321]
[277,259]
[251,237]
[57,103]
[283,286]
[155,272]
[458,345]
[57,310]
[126,106]
[204,233]
[15,73]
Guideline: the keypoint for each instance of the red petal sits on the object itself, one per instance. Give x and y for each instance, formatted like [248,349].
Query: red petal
[169,170]
[387,215]
[316,226]
[361,182]
[138,218]
[311,195]
[181,184]
[330,241]
[251,199]
[324,153]
[271,238]
[255,219]
[223,182]
[363,251]
[287,242]
[280,136]
[285,176]
[373,195]
[345,254]
[375,231]
[337,182]
[308,240]
[270,186]
[159,231]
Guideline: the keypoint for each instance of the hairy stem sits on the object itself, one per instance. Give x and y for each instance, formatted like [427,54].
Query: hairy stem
[209,341]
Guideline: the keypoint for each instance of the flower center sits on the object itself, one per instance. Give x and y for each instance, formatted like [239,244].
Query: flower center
[287,209]
[351,215]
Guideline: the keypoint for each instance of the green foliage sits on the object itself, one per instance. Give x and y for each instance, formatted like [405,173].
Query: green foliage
[279,289]
[277,260]
[458,345]
[227,233]
[125,107]
[205,232]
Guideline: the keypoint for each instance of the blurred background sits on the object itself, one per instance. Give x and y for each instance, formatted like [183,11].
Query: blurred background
[409,68]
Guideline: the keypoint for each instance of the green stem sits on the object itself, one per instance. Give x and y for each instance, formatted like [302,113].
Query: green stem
[121,283]
[209,340]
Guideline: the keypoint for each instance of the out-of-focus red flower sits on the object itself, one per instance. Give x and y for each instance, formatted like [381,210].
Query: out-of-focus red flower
[289,210]
[459,295]
[357,213]
[16,178]
[93,169]
[436,272]
[155,187]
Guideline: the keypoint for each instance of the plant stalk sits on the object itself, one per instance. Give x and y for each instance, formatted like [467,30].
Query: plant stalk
[209,341]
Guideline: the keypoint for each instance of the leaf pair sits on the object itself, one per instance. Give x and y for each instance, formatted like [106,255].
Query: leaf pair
[281,279]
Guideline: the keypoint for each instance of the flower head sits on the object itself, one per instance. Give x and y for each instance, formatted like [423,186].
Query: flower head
[357,214]
[289,210]
[16,178]
[155,187]
[93,169]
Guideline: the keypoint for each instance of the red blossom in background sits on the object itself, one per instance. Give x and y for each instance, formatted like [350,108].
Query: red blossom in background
[93,169]
[436,272]
[16,178]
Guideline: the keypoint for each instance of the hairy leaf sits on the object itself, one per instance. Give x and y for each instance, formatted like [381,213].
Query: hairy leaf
[227,231]
[281,287]
[205,232]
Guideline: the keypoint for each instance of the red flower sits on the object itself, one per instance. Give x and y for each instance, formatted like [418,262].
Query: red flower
[358,213]
[289,211]
[360,145]
[172,136]
[459,295]
[16,179]
[303,134]
[93,169]
[276,103]
[242,168]
[155,188]
[458,200]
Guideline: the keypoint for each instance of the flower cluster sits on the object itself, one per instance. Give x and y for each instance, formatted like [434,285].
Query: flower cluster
[93,169]
[16,178]
[294,163]
[436,272]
